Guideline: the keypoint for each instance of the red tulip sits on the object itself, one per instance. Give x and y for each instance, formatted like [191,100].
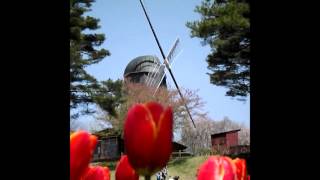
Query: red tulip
[82,145]
[148,137]
[248,177]
[217,168]
[241,168]
[97,173]
[124,171]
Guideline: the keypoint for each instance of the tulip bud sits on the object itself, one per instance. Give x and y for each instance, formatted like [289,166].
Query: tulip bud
[97,173]
[217,168]
[148,137]
[124,171]
[82,145]
[241,168]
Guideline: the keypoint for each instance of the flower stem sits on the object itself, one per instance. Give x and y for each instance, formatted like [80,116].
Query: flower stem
[147,177]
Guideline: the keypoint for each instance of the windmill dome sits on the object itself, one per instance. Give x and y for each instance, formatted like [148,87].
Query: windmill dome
[137,69]
[141,64]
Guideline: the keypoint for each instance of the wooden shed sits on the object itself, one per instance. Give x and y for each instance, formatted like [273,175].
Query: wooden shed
[222,141]
[110,146]
[227,143]
[178,150]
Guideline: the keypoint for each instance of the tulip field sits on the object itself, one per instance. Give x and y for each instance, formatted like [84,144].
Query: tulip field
[185,168]
[148,141]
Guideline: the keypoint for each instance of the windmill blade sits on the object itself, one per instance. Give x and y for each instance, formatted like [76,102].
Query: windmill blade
[153,80]
[176,57]
[151,74]
[147,78]
[159,83]
[158,75]
[166,63]
[154,74]
[148,75]
[175,50]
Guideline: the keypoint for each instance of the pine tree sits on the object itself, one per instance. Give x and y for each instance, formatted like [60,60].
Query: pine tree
[85,51]
[225,26]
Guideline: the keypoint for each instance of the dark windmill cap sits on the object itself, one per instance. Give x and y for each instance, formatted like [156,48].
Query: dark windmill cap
[141,64]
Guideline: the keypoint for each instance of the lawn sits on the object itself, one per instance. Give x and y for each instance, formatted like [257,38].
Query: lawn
[185,168]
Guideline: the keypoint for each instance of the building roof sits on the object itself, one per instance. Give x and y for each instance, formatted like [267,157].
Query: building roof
[141,64]
[225,132]
[177,146]
[108,132]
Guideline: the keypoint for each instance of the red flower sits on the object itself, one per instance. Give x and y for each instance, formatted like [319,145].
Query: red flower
[124,171]
[97,173]
[82,145]
[217,168]
[148,137]
[241,168]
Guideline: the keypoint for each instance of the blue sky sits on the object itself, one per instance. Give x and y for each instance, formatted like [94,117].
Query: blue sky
[128,35]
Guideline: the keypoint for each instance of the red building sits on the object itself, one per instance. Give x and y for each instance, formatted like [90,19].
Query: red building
[222,142]
[227,143]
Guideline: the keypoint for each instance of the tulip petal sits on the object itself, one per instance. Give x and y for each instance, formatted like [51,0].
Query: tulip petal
[97,173]
[148,137]
[82,145]
[163,146]
[217,168]
[139,137]
[241,168]
[156,110]
[124,171]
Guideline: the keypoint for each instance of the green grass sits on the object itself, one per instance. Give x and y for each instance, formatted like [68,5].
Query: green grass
[185,168]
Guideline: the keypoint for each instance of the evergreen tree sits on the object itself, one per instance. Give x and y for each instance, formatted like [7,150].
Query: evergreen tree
[85,51]
[225,26]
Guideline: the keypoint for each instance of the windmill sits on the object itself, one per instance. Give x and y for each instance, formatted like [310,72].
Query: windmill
[166,64]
